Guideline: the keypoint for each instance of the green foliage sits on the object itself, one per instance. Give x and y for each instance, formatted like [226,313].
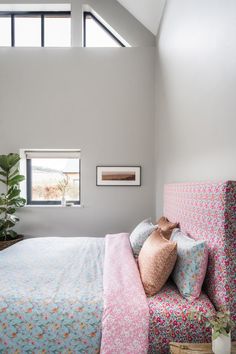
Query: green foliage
[220,322]
[10,200]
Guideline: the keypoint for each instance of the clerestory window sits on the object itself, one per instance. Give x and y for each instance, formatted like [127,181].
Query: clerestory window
[97,34]
[35,29]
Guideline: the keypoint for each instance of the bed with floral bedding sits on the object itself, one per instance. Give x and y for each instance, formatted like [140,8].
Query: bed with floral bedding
[84,295]
[57,297]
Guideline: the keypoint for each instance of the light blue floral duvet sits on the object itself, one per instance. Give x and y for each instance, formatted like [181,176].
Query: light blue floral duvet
[51,296]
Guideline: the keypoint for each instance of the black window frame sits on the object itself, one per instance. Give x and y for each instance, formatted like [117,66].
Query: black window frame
[90,14]
[41,14]
[29,200]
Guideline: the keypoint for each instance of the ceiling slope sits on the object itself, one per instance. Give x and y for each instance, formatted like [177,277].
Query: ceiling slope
[148,12]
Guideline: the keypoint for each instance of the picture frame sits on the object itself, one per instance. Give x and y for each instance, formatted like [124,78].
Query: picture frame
[118,176]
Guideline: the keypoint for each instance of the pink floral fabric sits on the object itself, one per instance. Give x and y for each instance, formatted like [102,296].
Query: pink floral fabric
[125,315]
[170,321]
[208,211]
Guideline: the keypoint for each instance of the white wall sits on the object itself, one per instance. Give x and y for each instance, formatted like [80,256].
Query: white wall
[99,100]
[126,25]
[196,93]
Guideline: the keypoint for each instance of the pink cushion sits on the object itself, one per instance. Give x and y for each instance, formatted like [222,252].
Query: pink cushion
[156,261]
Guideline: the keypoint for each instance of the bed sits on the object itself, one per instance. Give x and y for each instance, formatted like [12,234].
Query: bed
[72,295]
[84,295]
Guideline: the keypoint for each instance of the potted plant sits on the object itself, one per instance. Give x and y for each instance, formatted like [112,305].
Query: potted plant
[221,326]
[9,199]
[63,186]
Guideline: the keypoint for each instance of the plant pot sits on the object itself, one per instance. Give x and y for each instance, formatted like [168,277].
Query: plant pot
[8,243]
[63,201]
[222,344]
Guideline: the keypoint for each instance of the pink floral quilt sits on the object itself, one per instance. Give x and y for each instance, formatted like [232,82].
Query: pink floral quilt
[125,321]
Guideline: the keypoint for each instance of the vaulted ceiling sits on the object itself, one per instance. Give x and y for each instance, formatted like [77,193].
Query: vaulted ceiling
[148,12]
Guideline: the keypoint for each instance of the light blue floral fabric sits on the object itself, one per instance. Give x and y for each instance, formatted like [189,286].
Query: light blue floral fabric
[51,296]
[140,234]
[191,264]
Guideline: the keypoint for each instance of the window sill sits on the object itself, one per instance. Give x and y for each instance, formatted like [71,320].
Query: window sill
[53,206]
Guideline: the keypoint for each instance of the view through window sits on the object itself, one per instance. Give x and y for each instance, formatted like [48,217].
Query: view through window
[53,179]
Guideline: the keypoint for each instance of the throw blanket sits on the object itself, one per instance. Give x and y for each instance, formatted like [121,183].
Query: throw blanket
[52,298]
[126,314]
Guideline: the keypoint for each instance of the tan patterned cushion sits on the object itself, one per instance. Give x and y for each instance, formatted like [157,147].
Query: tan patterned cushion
[166,226]
[156,261]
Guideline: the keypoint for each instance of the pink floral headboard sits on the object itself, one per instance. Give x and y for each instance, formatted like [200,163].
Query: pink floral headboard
[208,211]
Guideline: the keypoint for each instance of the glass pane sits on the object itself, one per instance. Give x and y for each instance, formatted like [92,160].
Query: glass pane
[5,31]
[27,31]
[57,31]
[97,36]
[53,179]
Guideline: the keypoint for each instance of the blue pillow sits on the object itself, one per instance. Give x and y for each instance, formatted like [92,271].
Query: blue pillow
[191,264]
[140,234]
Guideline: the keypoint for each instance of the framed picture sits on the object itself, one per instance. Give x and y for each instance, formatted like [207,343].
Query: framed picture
[118,176]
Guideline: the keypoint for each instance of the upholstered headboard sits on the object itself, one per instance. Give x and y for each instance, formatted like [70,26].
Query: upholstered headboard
[208,211]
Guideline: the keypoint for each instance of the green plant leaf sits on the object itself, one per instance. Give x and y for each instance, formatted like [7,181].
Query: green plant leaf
[8,161]
[4,163]
[223,331]
[8,224]
[11,210]
[12,159]
[14,173]
[10,200]
[13,192]
[215,335]
[15,180]
[18,202]
[12,234]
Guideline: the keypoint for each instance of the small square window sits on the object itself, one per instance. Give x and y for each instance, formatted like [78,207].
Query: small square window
[53,177]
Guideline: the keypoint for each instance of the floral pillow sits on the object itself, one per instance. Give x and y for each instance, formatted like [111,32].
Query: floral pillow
[191,265]
[140,234]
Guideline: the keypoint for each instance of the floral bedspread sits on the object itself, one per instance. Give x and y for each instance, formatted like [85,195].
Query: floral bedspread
[51,296]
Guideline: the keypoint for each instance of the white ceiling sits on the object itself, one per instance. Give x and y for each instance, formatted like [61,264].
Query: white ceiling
[148,12]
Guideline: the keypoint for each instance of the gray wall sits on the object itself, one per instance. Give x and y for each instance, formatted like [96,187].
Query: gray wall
[99,100]
[196,93]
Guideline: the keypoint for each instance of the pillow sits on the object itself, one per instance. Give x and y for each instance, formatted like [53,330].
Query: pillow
[166,226]
[156,261]
[140,234]
[191,265]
